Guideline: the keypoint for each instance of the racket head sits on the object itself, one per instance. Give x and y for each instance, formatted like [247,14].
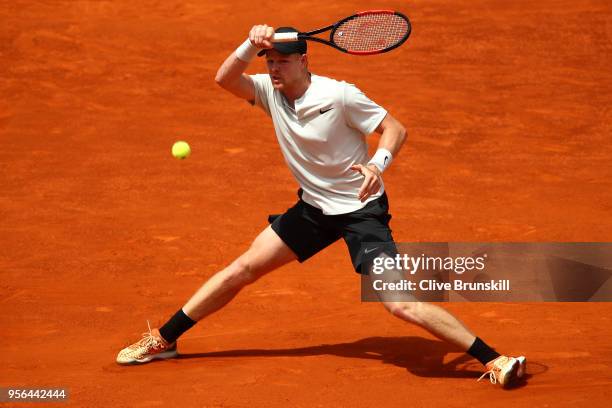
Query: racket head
[371,32]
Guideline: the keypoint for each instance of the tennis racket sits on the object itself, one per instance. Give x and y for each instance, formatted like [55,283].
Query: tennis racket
[365,33]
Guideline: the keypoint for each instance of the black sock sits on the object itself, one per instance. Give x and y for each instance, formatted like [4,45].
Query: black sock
[176,326]
[481,352]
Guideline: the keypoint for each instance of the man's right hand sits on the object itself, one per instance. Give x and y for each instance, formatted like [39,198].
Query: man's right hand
[261,36]
[231,76]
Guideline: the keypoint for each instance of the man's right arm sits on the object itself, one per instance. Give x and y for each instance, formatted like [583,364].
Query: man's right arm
[230,75]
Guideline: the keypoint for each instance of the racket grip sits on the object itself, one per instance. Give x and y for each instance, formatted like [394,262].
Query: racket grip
[285,37]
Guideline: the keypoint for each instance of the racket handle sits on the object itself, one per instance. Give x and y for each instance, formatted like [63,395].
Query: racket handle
[285,37]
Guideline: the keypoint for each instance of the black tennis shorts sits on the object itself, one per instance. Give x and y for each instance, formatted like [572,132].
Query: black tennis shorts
[306,230]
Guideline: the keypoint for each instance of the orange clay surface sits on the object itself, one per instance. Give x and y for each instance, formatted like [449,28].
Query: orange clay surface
[507,105]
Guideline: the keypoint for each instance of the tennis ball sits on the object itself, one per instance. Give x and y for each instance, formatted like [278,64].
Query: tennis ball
[181,150]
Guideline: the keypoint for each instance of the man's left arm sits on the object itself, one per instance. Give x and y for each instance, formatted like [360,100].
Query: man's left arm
[393,135]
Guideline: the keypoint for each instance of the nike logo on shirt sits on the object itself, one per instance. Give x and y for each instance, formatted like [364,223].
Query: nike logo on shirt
[321,111]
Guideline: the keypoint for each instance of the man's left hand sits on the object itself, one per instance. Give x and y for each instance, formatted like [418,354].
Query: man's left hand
[372,180]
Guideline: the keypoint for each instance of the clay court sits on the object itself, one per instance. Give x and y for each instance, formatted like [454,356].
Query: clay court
[507,106]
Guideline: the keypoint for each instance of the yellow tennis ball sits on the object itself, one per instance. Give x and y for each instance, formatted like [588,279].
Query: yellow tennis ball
[181,150]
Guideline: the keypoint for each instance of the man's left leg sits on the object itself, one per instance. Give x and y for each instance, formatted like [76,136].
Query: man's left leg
[371,225]
[442,324]
[437,321]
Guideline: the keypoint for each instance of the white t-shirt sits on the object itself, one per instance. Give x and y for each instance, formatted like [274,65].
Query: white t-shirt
[322,138]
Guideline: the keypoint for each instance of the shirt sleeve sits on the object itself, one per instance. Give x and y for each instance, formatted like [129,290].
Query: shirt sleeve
[263,91]
[360,111]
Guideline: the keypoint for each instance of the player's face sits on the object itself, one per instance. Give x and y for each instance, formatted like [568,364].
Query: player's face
[285,70]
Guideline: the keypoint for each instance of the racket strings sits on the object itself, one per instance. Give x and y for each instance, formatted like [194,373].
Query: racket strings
[371,32]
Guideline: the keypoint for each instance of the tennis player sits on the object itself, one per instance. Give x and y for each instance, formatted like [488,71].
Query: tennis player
[321,126]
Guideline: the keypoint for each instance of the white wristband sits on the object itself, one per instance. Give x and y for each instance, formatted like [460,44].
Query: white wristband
[381,159]
[247,51]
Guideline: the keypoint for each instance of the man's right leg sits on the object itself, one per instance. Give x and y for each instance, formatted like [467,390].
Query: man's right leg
[267,253]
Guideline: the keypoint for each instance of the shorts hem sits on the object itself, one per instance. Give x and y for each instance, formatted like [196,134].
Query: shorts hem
[299,257]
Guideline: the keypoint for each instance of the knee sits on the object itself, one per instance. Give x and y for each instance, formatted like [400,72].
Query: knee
[408,311]
[240,272]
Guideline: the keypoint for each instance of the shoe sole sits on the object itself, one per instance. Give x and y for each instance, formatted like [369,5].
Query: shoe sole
[515,373]
[507,377]
[159,356]
[522,366]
